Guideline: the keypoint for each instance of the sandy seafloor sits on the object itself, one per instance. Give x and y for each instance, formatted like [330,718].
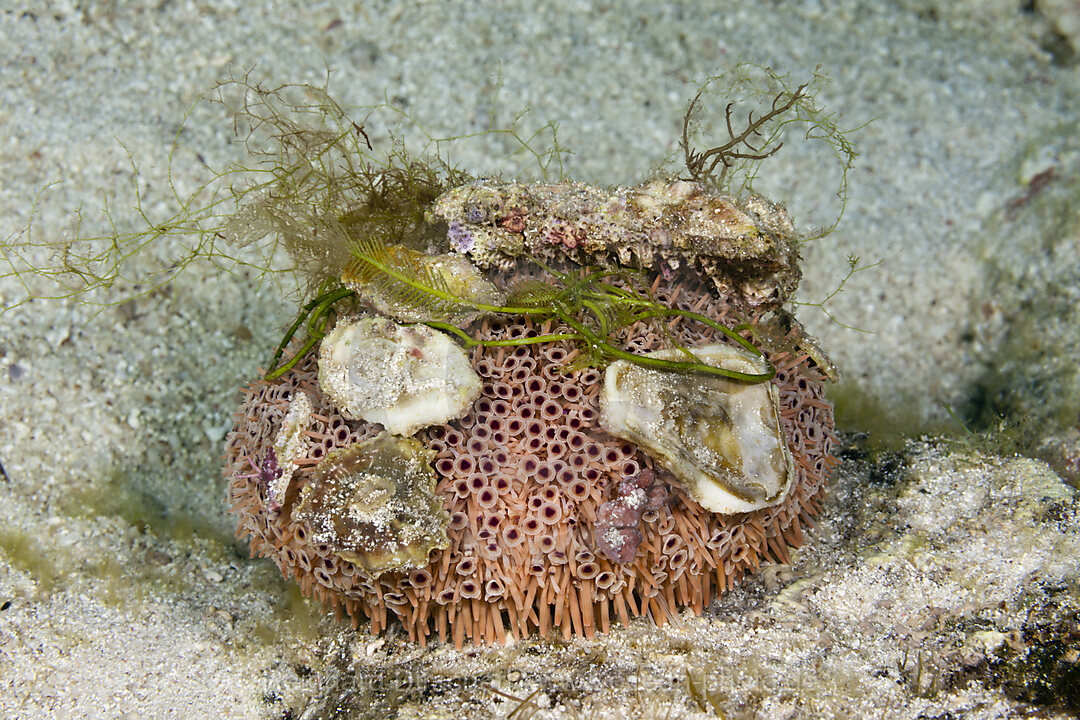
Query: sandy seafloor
[942,581]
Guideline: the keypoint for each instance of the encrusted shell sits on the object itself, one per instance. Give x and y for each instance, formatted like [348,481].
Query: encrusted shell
[721,438]
[746,246]
[404,377]
[374,504]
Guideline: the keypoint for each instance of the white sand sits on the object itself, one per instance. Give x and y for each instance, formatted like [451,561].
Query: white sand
[127,596]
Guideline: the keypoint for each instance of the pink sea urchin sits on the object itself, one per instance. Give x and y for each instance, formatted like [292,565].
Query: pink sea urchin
[551,523]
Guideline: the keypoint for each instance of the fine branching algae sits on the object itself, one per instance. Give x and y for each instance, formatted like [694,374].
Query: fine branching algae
[592,307]
[320,197]
[774,109]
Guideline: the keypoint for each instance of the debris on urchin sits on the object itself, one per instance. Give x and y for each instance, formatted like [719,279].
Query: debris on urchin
[404,377]
[721,438]
[553,523]
[288,447]
[374,505]
[746,246]
[448,271]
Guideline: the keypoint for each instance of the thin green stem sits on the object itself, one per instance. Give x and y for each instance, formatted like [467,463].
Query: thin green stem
[301,316]
[324,307]
[729,332]
[301,353]
[555,337]
[579,297]
[679,366]
[471,342]
[601,318]
[314,311]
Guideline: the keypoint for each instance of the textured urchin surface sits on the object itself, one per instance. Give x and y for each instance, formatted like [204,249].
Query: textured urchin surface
[523,476]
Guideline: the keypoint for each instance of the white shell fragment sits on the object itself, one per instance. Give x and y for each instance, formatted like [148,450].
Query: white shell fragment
[720,438]
[289,446]
[405,377]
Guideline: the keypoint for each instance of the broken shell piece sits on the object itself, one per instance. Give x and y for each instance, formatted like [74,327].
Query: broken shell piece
[374,503]
[720,438]
[405,377]
[289,446]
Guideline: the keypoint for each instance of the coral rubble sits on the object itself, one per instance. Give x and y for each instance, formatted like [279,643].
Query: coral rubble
[744,246]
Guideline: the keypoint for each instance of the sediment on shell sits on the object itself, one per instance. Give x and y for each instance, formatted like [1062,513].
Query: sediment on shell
[289,446]
[405,377]
[721,438]
[374,503]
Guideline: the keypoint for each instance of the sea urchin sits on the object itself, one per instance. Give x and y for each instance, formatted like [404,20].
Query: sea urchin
[530,504]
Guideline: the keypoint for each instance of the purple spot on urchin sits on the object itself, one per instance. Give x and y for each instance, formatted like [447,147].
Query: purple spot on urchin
[617,536]
[618,544]
[268,474]
[643,480]
[460,239]
[617,514]
[655,497]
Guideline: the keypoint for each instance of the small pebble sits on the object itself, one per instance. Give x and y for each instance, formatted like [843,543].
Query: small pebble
[158,558]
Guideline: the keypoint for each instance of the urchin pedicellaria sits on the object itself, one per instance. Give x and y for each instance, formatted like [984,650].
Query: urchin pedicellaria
[548,510]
